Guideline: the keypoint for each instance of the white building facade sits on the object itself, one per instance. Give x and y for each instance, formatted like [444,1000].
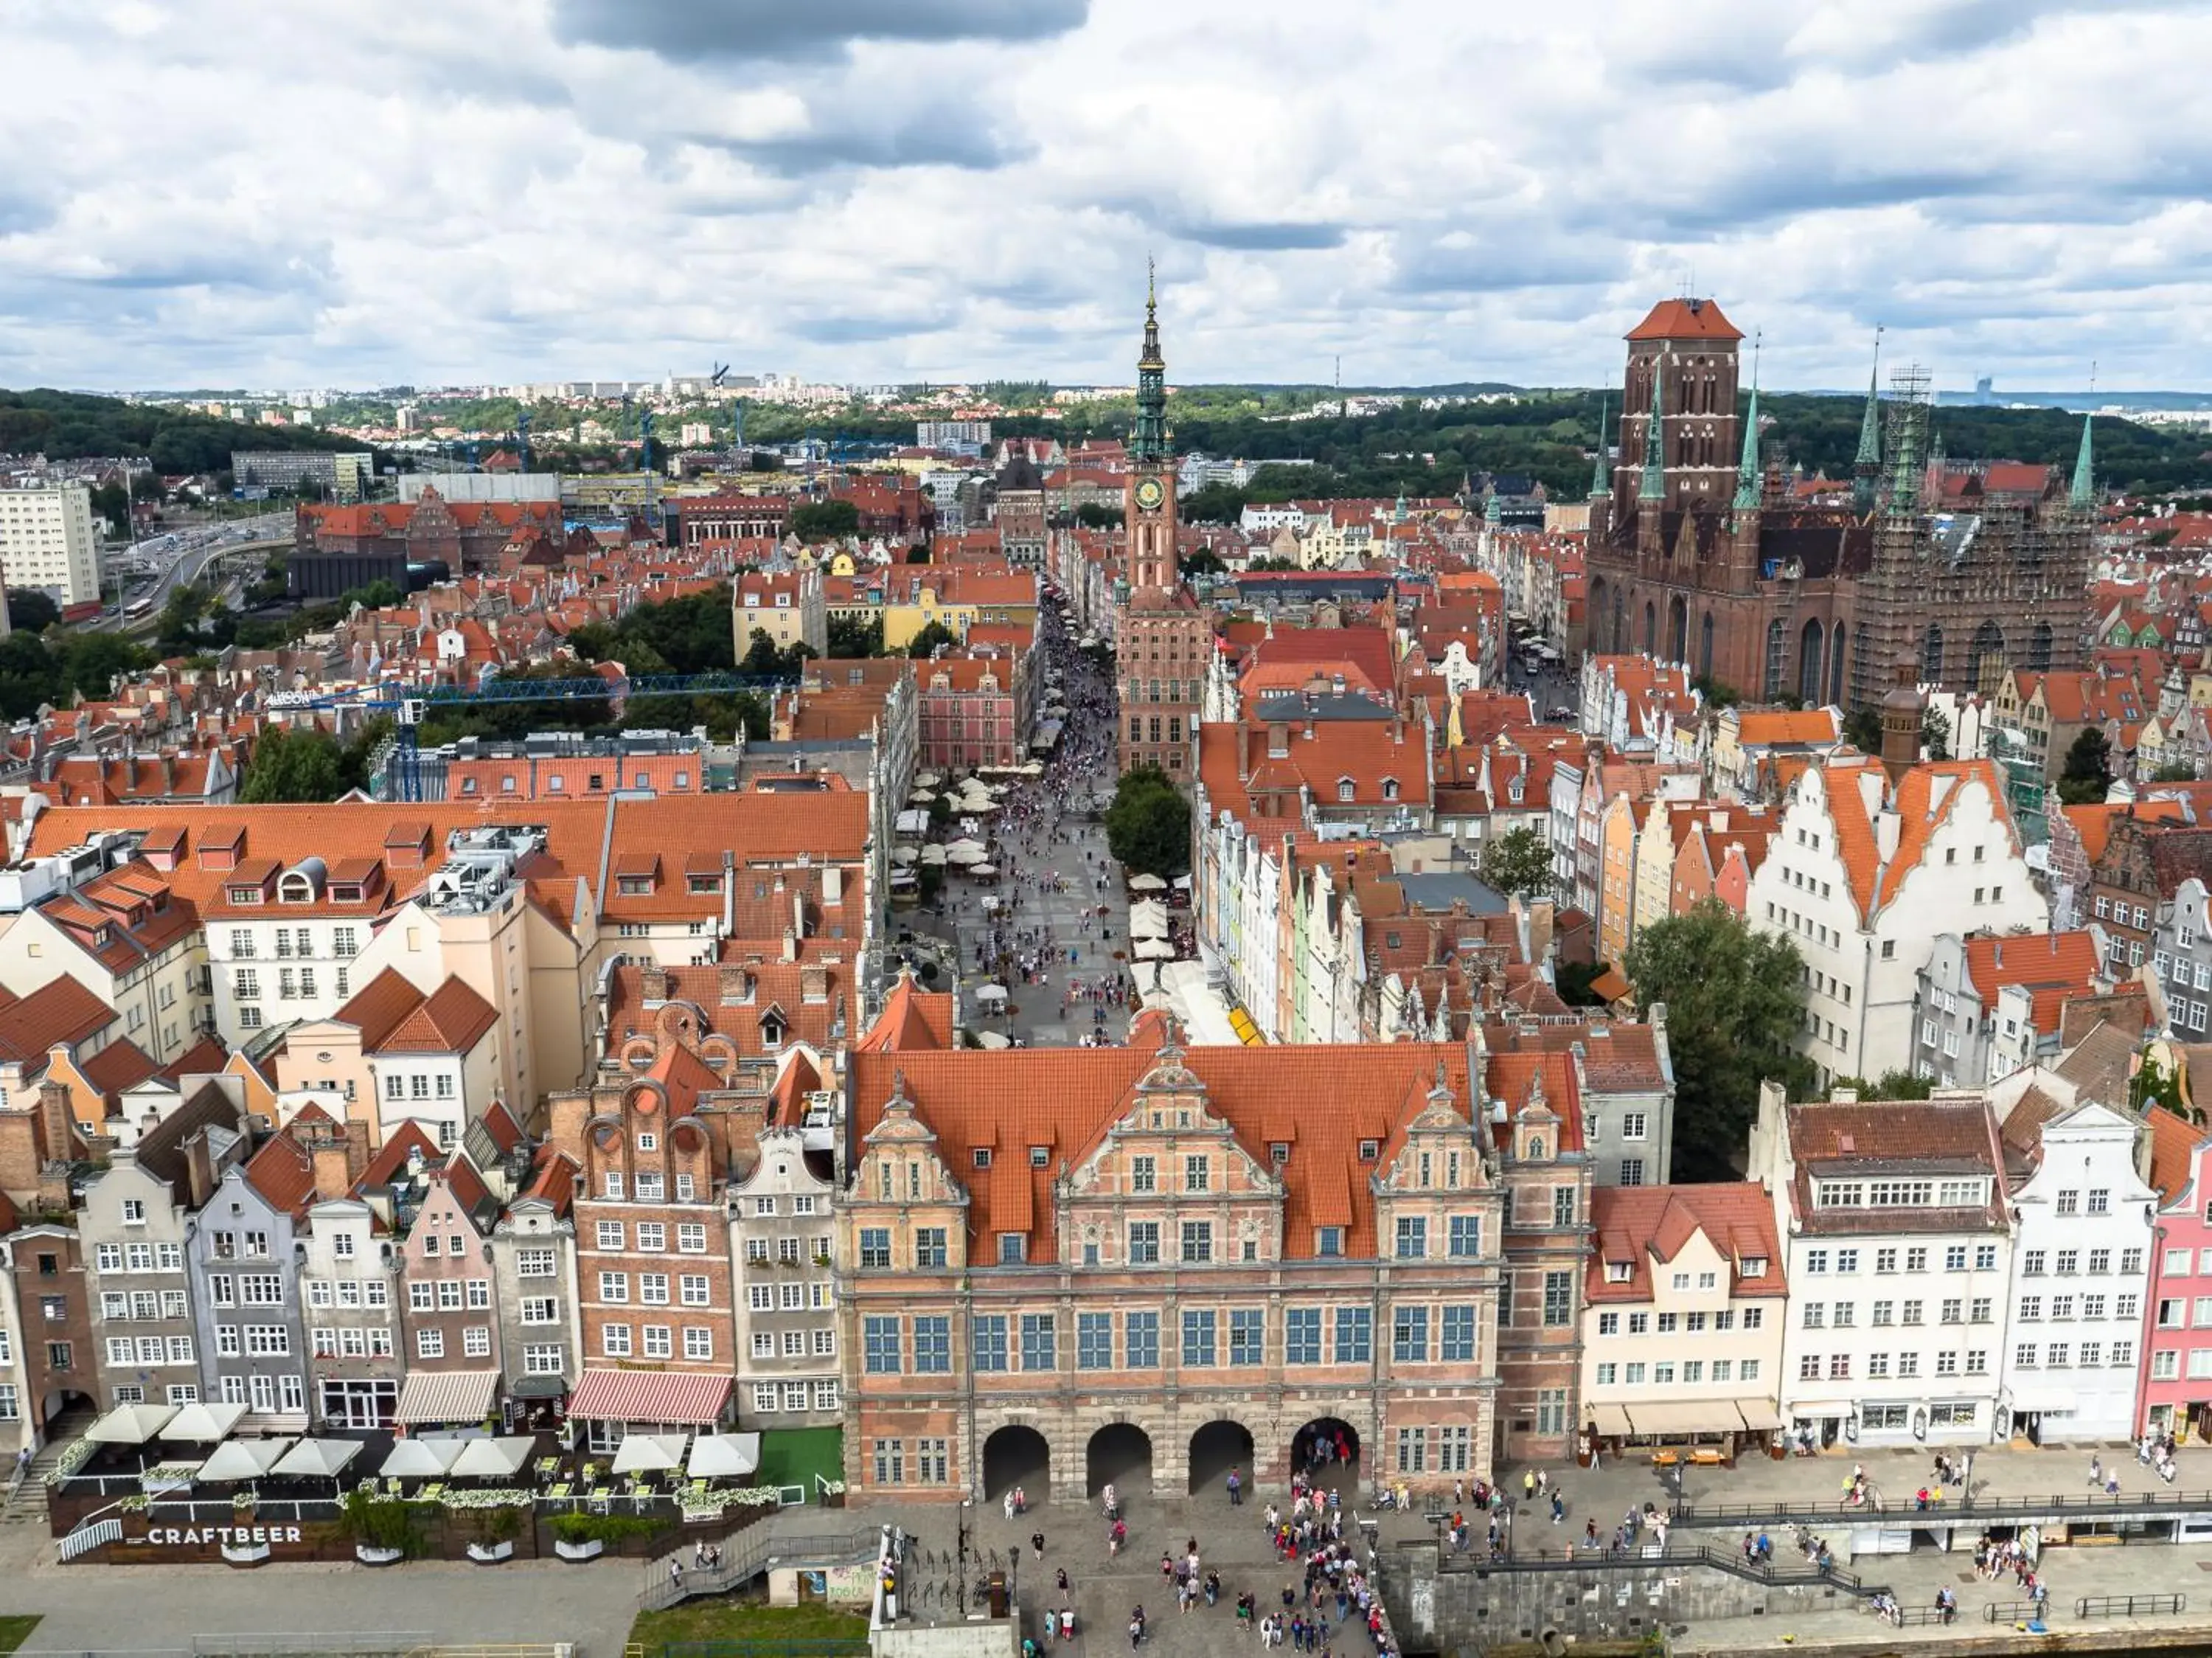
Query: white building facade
[48,543]
[2081,1239]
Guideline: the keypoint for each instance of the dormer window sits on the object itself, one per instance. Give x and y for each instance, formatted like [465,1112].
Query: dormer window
[1751,1266]
[1279,1153]
[1619,1271]
[245,895]
[1370,1151]
[982,1156]
[1344,788]
[1040,1156]
[1390,788]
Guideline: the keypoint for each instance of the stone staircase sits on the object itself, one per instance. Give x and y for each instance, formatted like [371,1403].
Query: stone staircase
[26,1503]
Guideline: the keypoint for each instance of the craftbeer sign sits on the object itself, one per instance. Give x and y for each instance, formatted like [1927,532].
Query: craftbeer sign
[232,1536]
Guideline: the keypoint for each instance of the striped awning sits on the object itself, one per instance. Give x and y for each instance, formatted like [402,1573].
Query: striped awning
[428,1396]
[692,1401]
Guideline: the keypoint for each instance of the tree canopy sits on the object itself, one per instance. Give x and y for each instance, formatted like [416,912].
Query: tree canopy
[291,765]
[2088,771]
[924,643]
[1735,1002]
[30,611]
[1148,825]
[56,666]
[823,521]
[691,634]
[72,425]
[1518,862]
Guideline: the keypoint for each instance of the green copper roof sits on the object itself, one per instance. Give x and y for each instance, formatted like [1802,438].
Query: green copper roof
[1600,485]
[1148,438]
[1748,486]
[2084,492]
[1870,454]
[1654,485]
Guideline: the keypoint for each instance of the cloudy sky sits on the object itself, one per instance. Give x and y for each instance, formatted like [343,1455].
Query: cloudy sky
[288,192]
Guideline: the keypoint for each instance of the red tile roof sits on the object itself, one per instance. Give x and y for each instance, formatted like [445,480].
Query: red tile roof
[1648,1226]
[1067,1098]
[1685,319]
[2052,965]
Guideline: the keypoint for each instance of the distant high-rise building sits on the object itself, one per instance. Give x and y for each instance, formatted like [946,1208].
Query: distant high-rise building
[966,436]
[49,543]
[1985,391]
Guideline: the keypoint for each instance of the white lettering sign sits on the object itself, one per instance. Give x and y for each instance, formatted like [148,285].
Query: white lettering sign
[236,1536]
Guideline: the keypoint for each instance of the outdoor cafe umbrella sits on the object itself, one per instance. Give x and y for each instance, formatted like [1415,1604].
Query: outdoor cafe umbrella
[993,1040]
[903,855]
[130,1424]
[317,1458]
[933,855]
[493,1459]
[646,1453]
[926,779]
[982,868]
[1146,883]
[715,1456]
[964,846]
[990,992]
[421,1459]
[920,797]
[203,1423]
[243,1458]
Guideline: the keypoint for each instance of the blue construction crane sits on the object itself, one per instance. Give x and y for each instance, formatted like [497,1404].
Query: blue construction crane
[409,705]
[522,436]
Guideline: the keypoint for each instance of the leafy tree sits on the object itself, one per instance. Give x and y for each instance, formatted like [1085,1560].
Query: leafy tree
[1863,729]
[291,765]
[1094,516]
[1268,561]
[2155,1085]
[1890,1085]
[1148,825]
[924,644]
[1574,980]
[856,636]
[30,611]
[90,663]
[1734,1003]
[2174,771]
[1204,562]
[355,757]
[1935,733]
[1518,862]
[765,660]
[1719,693]
[918,553]
[823,521]
[1216,504]
[2088,772]
[112,503]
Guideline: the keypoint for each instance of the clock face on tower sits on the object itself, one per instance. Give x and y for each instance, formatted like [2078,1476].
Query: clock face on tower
[1150,495]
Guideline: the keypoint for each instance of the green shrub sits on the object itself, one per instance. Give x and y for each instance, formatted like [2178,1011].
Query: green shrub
[608,1528]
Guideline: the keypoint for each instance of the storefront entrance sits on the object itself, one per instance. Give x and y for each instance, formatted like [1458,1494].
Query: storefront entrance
[358,1404]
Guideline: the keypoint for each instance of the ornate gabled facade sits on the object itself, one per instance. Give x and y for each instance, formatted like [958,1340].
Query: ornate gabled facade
[1166,1266]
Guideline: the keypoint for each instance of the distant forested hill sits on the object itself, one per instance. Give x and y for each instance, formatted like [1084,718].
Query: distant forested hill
[70,425]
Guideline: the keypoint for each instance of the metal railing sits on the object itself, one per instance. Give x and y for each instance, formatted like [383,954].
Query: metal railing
[86,1538]
[2013,1611]
[2129,1606]
[745,1556]
[1731,1561]
[2079,1504]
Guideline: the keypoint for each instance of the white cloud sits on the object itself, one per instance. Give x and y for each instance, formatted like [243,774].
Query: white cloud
[261,192]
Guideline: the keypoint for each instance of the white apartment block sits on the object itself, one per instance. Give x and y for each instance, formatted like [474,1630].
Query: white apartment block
[1893,1218]
[48,543]
[1863,877]
[2082,1221]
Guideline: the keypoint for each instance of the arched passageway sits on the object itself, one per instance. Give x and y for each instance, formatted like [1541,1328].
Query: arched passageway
[1119,1455]
[1017,1455]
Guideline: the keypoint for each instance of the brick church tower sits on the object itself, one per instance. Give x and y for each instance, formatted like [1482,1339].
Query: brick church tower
[1162,639]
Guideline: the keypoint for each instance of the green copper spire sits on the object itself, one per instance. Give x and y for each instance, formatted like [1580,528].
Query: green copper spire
[2084,492]
[1867,468]
[1653,487]
[1148,438]
[1748,485]
[1601,486]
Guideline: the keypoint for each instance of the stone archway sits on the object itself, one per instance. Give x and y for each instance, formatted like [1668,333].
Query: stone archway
[1119,1454]
[1018,1454]
[1214,1450]
[1326,1451]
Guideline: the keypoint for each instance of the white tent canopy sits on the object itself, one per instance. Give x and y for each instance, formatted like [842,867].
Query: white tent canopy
[422,1458]
[318,1459]
[203,1422]
[715,1456]
[243,1458]
[933,855]
[493,1459]
[1146,883]
[993,1040]
[645,1452]
[990,992]
[964,846]
[1148,919]
[982,868]
[1152,949]
[130,1424]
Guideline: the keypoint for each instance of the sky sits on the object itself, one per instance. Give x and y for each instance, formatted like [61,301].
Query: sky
[291,193]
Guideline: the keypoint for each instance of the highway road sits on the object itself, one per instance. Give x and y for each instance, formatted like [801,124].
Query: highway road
[184,556]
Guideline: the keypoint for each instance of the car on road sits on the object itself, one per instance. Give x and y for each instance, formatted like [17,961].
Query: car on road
[1560,711]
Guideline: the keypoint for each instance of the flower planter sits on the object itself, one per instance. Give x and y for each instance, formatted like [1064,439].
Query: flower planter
[490,1554]
[251,1554]
[372,1556]
[587,1550]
